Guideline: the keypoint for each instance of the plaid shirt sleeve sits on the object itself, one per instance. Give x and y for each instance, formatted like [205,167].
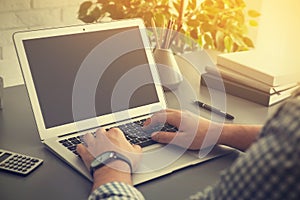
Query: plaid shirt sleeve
[270,167]
[116,190]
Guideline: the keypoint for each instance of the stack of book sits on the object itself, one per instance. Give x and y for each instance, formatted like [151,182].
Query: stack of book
[252,76]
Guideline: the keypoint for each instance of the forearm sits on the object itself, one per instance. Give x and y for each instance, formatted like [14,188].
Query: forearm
[239,136]
[111,183]
[111,173]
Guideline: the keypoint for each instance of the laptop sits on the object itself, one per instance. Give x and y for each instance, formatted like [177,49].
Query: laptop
[83,77]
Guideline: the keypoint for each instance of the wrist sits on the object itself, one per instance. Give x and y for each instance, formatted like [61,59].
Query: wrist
[117,170]
[107,158]
[225,134]
[239,136]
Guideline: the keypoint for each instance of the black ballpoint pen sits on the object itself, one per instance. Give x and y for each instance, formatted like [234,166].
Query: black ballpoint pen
[214,110]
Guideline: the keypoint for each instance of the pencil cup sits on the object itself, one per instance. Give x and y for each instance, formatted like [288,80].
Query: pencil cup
[169,72]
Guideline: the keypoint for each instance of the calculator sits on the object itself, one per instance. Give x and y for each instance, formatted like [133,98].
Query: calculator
[18,163]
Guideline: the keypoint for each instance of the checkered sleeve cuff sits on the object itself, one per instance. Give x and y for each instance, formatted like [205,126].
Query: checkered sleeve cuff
[116,190]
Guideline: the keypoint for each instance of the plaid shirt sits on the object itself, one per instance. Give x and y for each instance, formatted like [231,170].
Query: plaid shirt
[269,169]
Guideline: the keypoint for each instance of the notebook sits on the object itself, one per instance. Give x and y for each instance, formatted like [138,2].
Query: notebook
[80,78]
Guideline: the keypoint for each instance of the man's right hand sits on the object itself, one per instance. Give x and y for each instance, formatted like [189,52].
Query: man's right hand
[192,129]
[195,132]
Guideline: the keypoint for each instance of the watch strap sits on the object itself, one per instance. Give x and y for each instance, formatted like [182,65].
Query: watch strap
[106,158]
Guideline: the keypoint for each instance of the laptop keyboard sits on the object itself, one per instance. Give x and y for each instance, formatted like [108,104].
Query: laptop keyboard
[133,131]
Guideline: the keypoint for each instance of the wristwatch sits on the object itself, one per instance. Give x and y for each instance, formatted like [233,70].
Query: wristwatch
[106,158]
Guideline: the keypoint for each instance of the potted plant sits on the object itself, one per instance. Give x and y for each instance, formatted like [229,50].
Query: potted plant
[210,24]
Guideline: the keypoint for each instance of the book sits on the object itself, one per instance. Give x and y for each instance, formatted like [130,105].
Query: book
[262,66]
[245,92]
[247,81]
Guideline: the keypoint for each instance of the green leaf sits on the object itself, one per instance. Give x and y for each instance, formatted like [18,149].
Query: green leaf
[240,3]
[147,18]
[176,6]
[192,4]
[194,33]
[220,4]
[228,43]
[87,18]
[207,3]
[200,40]
[220,40]
[193,23]
[253,13]
[202,17]
[237,39]
[248,42]
[208,41]
[206,27]
[96,13]
[84,7]
[159,19]
[253,23]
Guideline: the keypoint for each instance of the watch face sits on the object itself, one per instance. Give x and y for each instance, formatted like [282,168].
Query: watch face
[102,158]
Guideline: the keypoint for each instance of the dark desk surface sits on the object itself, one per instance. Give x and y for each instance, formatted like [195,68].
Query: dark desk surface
[56,180]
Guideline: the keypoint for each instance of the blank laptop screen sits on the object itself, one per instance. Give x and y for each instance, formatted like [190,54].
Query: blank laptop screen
[55,62]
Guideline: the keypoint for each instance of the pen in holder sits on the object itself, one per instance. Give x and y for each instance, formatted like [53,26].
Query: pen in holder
[169,72]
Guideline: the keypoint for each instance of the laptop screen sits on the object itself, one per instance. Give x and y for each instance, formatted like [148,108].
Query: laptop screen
[115,58]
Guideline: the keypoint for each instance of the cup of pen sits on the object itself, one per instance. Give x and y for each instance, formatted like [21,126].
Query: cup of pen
[169,72]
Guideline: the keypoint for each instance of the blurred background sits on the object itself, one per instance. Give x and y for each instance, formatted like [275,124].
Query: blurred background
[274,27]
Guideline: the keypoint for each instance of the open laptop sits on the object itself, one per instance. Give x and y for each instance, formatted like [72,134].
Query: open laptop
[82,77]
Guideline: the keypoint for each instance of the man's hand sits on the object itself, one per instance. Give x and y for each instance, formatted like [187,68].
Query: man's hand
[195,132]
[112,140]
[191,128]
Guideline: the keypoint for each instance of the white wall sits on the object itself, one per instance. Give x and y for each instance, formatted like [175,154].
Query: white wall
[278,38]
[280,27]
[16,15]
